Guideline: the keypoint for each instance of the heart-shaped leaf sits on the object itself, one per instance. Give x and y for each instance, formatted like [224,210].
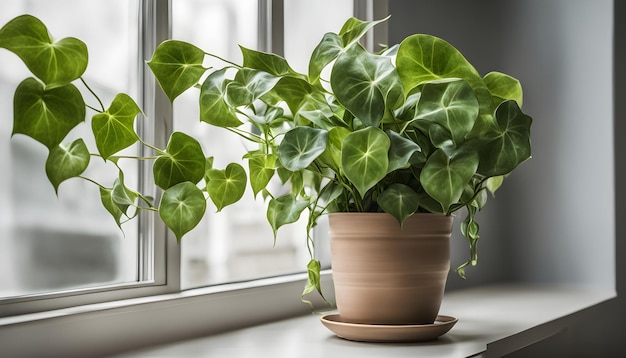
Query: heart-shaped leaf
[399,200]
[324,53]
[305,102]
[261,171]
[353,29]
[122,196]
[106,197]
[226,186]
[182,161]
[268,62]
[248,86]
[332,154]
[301,146]
[313,281]
[47,114]
[509,141]
[364,157]
[400,151]
[423,58]
[450,103]
[177,65]
[292,91]
[182,207]
[65,163]
[504,87]
[284,210]
[54,63]
[444,176]
[114,129]
[214,109]
[367,85]
[494,183]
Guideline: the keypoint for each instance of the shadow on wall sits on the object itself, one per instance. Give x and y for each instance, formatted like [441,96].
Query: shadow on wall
[539,227]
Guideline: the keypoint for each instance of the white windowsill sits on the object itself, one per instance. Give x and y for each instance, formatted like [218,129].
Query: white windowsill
[191,324]
[494,319]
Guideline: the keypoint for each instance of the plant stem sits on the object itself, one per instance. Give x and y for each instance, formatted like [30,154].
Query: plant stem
[248,136]
[93,108]
[223,59]
[92,181]
[158,150]
[93,93]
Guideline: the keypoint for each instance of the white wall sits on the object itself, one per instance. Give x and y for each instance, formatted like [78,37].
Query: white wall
[553,220]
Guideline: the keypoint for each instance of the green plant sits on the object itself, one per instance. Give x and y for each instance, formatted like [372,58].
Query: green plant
[414,128]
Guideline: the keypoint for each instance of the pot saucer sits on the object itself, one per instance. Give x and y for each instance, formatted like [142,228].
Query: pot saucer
[388,333]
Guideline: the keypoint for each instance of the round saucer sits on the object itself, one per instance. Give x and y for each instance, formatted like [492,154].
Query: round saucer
[388,333]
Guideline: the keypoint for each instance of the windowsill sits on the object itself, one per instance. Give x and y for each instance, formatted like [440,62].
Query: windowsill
[498,319]
[494,319]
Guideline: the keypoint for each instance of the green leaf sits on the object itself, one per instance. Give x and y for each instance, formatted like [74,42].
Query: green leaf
[301,146]
[182,161]
[450,103]
[400,151]
[284,210]
[106,197]
[469,229]
[114,129]
[444,177]
[313,281]
[182,207]
[423,58]
[353,29]
[268,62]
[292,91]
[64,163]
[399,200]
[177,65]
[261,172]
[267,116]
[47,114]
[248,86]
[324,53]
[226,186]
[364,157]
[494,183]
[214,109]
[504,87]
[122,196]
[508,141]
[208,166]
[367,85]
[305,102]
[332,155]
[54,63]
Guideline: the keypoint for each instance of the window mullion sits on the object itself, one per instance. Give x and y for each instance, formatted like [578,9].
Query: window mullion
[159,257]
[271,26]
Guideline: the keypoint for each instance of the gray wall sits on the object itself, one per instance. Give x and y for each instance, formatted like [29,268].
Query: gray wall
[553,220]
[559,219]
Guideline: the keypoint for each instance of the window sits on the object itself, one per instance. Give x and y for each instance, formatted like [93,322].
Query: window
[49,243]
[67,251]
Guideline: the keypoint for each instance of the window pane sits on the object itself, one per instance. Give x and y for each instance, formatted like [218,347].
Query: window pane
[237,243]
[49,243]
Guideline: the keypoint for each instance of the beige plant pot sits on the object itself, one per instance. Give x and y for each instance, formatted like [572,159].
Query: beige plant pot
[387,275]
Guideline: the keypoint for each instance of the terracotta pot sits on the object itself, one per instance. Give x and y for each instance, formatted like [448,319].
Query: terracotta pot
[387,275]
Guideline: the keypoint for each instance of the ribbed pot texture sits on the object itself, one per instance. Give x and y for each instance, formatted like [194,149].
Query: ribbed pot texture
[387,275]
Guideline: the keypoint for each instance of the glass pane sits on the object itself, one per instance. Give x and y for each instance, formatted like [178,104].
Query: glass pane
[237,243]
[51,243]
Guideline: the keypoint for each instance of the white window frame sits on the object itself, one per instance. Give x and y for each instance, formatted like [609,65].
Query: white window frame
[158,270]
[160,255]
[123,310]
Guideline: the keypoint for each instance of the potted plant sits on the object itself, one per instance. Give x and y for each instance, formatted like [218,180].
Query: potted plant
[403,138]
